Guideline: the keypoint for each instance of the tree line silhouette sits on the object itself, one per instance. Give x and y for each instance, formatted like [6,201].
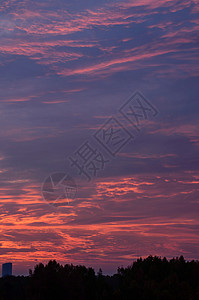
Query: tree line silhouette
[152,278]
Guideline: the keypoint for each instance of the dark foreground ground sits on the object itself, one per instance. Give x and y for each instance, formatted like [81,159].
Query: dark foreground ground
[151,278]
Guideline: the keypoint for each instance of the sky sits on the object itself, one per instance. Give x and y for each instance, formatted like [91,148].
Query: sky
[70,70]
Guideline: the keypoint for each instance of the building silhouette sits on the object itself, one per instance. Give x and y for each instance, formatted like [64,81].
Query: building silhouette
[7,269]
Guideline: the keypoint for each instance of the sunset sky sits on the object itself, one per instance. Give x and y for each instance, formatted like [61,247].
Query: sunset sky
[66,68]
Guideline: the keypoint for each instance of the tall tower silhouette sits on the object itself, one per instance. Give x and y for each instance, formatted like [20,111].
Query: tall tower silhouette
[7,269]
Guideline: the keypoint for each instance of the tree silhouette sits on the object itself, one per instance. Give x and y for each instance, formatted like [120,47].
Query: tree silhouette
[152,278]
